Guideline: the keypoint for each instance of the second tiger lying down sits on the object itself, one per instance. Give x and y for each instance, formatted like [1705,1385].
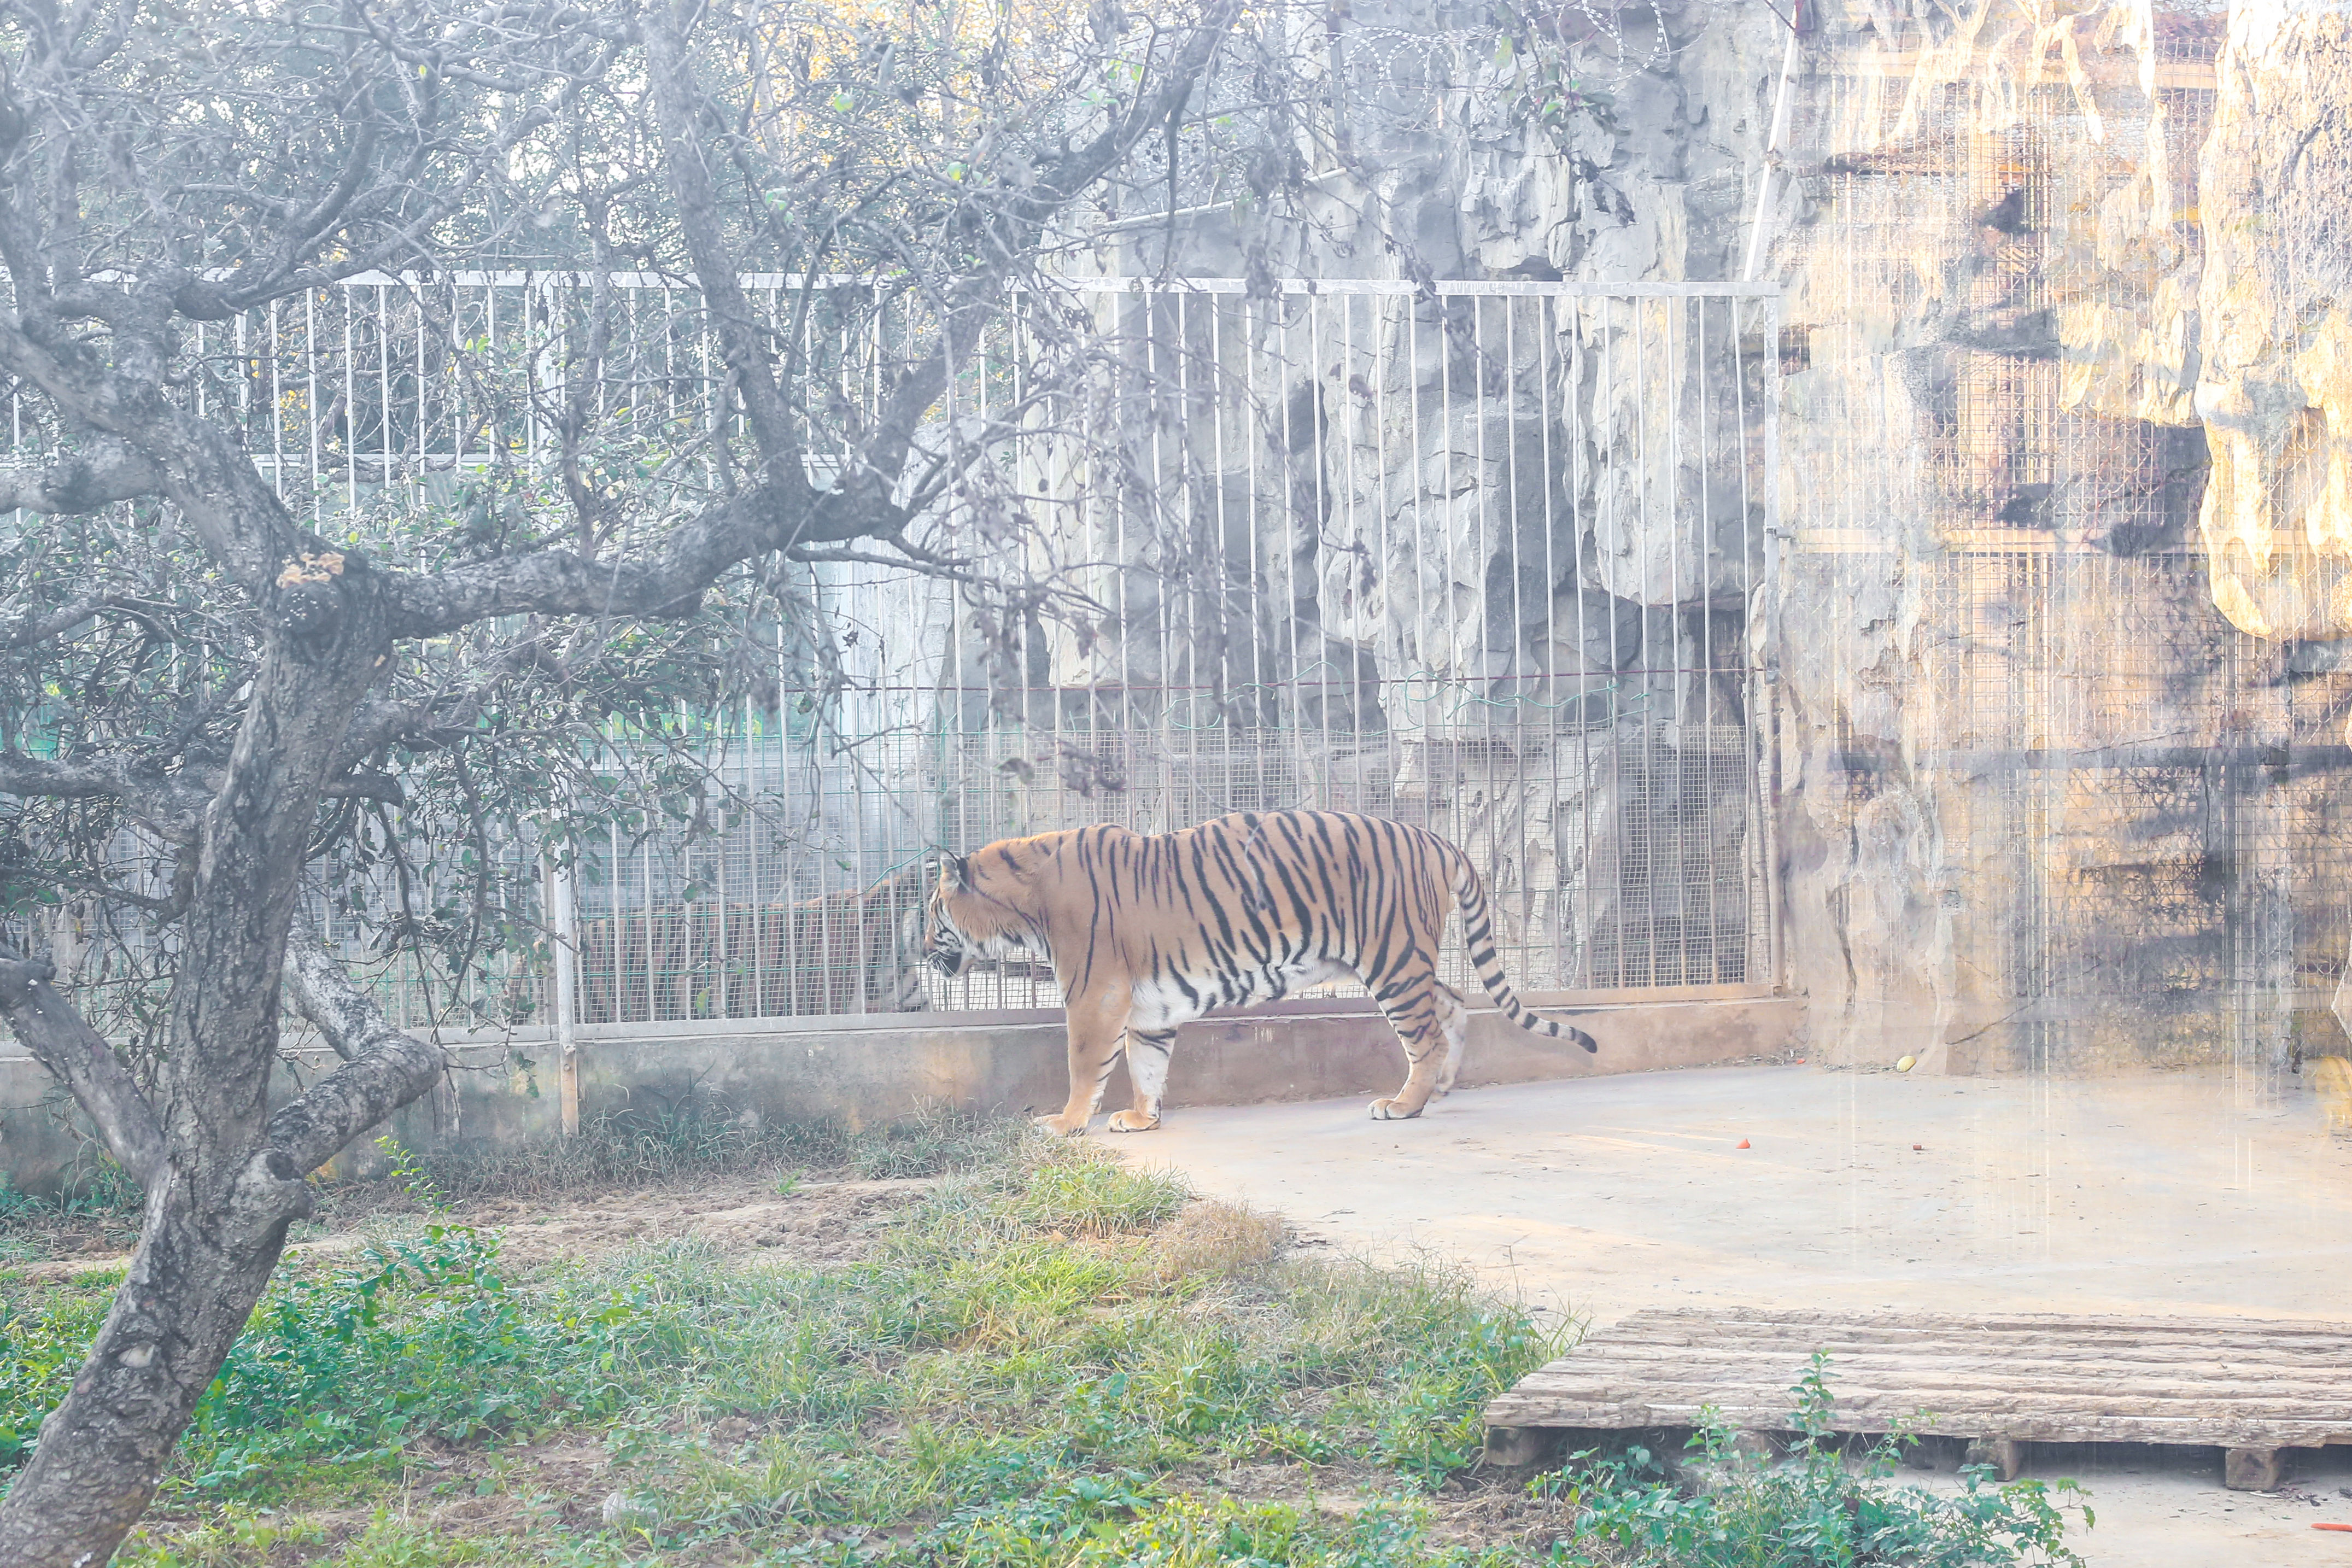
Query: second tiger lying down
[1149,933]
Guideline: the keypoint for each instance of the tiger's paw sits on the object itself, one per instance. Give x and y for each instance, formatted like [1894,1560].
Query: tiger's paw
[1061,1126]
[1132,1121]
[1391,1111]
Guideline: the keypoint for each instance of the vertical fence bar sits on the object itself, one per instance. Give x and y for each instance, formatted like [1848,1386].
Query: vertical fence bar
[563,912]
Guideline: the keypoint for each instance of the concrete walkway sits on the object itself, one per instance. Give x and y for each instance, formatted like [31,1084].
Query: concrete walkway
[2153,1193]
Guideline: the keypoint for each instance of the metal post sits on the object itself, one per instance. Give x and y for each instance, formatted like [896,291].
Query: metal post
[1773,135]
[563,912]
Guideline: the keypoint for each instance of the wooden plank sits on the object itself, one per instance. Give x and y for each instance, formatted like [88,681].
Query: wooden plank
[2228,1381]
[2033,1377]
[1681,1331]
[2014,1422]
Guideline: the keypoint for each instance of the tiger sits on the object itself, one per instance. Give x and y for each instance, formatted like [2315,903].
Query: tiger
[850,951]
[2333,1075]
[1148,932]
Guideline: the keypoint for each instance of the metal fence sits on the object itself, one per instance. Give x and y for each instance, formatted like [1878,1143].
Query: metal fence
[1490,557]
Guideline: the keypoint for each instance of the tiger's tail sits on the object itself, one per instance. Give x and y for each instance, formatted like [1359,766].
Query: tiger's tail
[1478,932]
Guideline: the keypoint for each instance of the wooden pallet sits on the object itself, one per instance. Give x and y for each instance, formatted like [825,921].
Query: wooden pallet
[2246,1386]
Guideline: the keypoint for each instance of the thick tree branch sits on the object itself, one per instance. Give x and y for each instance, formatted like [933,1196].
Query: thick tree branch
[323,994]
[30,629]
[107,472]
[383,1068]
[232,511]
[159,798]
[62,1041]
[678,107]
[563,583]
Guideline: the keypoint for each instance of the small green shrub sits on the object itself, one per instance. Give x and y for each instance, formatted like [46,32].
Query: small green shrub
[94,1187]
[428,1340]
[409,1174]
[1812,1511]
[41,1348]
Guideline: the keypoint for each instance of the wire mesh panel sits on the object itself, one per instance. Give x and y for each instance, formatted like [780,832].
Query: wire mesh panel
[1486,558]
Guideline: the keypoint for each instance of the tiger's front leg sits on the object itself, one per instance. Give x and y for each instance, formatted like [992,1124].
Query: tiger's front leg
[1147,1069]
[1096,1024]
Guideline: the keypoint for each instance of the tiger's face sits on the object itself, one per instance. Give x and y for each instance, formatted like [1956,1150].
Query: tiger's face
[969,923]
[945,946]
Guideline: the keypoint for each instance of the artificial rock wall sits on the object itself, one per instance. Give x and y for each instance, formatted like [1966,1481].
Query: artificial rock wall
[2274,387]
[2061,743]
[2055,714]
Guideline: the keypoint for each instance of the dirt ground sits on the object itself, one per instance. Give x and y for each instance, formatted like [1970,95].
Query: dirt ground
[2171,1193]
[817,1222]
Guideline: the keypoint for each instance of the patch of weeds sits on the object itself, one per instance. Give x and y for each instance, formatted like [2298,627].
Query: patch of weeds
[1095,1198]
[43,1338]
[96,1200]
[238,1537]
[934,1142]
[1816,1508]
[227,1536]
[408,1174]
[427,1339]
[1039,1347]
[693,1134]
[390,1541]
[14,1202]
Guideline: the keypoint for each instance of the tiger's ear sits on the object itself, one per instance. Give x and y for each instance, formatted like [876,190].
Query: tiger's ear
[897,887]
[957,868]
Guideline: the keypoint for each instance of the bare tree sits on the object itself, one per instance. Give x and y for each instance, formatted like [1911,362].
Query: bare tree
[230,682]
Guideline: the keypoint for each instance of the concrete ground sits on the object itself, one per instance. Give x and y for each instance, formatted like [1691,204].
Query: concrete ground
[2153,1193]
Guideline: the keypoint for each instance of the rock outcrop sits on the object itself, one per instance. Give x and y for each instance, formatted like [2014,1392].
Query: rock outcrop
[2274,387]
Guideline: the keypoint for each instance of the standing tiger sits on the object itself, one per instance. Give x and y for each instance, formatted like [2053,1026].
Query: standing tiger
[1149,933]
[850,951]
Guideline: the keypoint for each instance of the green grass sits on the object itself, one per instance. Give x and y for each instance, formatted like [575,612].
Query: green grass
[1051,1360]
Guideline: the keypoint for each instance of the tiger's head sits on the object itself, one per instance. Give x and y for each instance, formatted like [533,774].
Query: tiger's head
[976,916]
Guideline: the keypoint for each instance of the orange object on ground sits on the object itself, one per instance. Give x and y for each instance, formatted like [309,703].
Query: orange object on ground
[1743,1143]
[2346,1528]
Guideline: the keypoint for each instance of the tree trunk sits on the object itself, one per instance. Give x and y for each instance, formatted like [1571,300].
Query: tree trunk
[227,1175]
[191,1286]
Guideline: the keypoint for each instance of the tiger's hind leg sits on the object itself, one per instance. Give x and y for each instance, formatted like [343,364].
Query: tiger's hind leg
[1416,1009]
[1456,1027]
[1146,1070]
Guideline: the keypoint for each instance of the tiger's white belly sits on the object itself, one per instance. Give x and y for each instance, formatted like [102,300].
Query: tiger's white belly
[1162,1004]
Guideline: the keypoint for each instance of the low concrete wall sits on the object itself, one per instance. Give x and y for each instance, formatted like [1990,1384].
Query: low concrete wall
[864,1071]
